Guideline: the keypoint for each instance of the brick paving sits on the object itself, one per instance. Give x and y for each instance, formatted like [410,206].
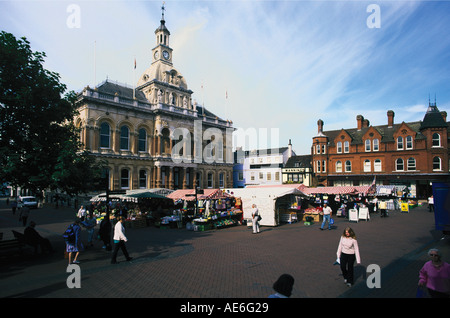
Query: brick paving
[226,263]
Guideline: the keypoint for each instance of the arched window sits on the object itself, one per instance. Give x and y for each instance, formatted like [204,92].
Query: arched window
[142,140]
[400,143]
[338,166]
[124,138]
[348,166]
[437,164]
[105,135]
[210,180]
[411,164]
[142,179]
[124,179]
[436,140]
[377,165]
[221,179]
[367,166]
[399,166]
[339,147]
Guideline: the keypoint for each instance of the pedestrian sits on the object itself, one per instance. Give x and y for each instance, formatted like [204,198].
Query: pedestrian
[24,214]
[383,206]
[326,216]
[283,286]
[347,253]
[81,213]
[435,275]
[89,223]
[431,204]
[73,241]
[119,241]
[105,232]
[35,239]
[14,206]
[255,219]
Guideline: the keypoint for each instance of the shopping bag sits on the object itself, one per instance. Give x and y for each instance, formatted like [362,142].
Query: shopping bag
[421,293]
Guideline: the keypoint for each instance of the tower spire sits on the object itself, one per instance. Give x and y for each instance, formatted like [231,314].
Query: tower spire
[162,10]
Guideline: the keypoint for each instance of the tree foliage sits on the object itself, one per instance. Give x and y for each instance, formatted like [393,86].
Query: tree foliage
[39,144]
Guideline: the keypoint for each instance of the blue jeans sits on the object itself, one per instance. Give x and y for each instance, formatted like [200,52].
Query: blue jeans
[326,218]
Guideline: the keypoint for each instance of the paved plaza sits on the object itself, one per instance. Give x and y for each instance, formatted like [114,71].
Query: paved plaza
[225,263]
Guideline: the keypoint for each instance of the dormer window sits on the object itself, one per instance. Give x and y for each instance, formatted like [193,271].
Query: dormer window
[400,143]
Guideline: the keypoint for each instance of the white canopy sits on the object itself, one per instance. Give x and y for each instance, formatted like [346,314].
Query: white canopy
[265,199]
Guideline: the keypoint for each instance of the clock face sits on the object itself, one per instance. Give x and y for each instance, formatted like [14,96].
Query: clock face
[156,55]
[166,55]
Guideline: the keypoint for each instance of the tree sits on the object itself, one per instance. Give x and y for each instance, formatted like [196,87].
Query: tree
[39,145]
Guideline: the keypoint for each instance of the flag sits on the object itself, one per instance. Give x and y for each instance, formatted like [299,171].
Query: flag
[373,186]
[134,63]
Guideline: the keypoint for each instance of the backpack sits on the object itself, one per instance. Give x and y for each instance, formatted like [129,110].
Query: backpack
[69,234]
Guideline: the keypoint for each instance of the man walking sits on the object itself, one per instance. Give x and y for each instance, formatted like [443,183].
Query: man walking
[326,216]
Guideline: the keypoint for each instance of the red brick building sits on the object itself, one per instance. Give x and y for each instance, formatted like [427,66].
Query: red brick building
[413,154]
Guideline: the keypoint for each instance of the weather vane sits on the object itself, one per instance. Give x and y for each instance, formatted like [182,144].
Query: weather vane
[163,9]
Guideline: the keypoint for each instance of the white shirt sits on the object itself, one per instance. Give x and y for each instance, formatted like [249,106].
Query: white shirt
[348,245]
[327,210]
[119,232]
[81,212]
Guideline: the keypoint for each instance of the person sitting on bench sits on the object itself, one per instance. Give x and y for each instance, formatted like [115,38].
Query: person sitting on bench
[34,238]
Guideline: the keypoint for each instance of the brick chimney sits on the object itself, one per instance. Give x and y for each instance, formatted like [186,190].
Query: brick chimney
[319,125]
[359,121]
[390,115]
[366,123]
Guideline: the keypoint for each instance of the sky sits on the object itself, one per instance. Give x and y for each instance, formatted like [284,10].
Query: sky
[272,67]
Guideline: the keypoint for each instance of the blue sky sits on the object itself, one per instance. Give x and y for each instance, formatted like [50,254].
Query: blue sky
[283,64]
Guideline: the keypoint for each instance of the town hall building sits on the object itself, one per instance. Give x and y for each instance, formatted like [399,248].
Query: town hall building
[155,135]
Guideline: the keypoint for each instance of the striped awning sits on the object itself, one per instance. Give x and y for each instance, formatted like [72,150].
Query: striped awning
[337,190]
[189,194]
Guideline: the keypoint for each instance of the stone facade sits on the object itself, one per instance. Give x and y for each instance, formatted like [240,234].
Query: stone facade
[155,135]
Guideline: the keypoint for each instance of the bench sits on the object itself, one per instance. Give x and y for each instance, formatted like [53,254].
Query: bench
[11,244]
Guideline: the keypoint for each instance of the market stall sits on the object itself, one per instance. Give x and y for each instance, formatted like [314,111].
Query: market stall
[209,209]
[275,203]
[140,208]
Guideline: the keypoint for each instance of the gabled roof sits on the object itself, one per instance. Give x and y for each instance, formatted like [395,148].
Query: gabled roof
[385,131]
[303,161]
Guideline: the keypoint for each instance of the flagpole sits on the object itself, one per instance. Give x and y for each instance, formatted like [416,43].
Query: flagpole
[95,64]
[203,101]
[134,79]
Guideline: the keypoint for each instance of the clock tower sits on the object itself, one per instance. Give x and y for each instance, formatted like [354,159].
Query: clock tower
[162,52]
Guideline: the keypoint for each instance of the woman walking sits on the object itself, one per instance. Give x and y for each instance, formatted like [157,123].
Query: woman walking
[347,253]
[255,219]
[119,241]
[73,242]
[435,275]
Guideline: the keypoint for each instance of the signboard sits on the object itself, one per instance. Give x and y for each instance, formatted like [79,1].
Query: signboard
[405,207]
[353,215]
[364,214]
